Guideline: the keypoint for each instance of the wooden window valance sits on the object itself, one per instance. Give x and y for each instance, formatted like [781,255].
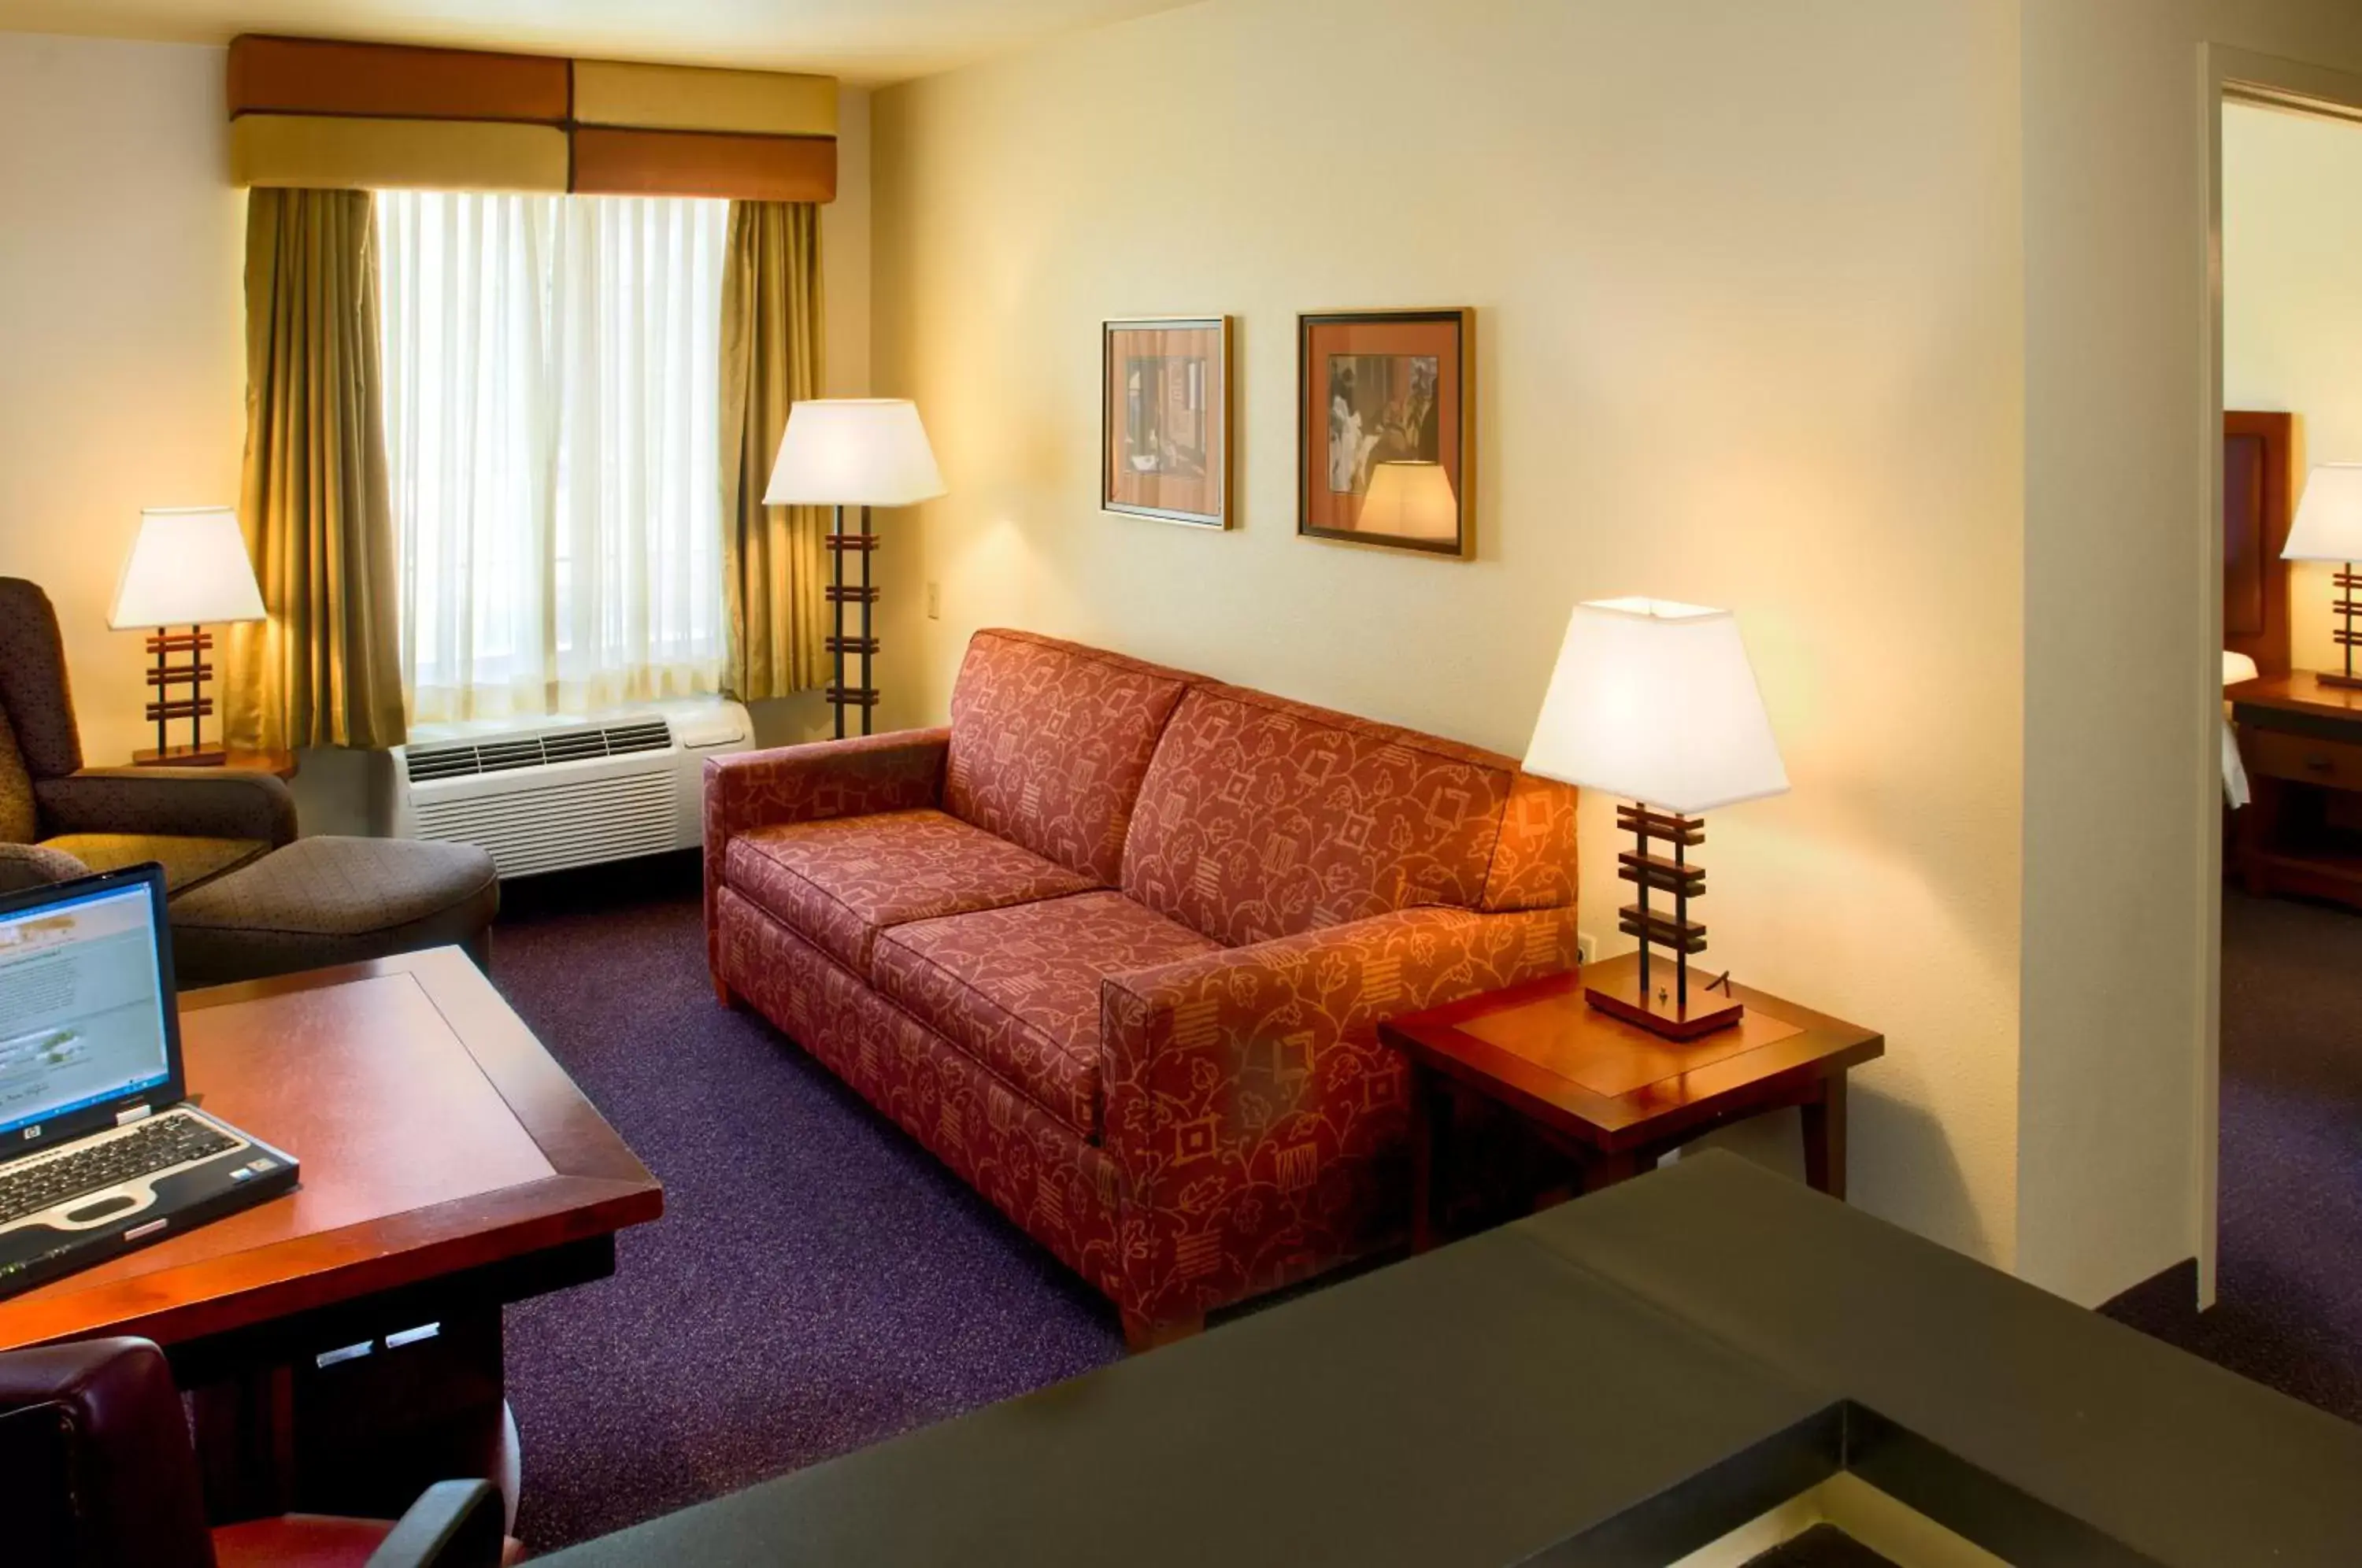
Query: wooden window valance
[333,115]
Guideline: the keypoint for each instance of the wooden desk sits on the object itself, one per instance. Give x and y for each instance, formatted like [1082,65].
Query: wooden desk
[2302,832]
[449,1166]
[1614,1098]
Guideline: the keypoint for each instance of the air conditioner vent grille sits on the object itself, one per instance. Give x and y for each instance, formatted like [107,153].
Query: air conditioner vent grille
[467,758]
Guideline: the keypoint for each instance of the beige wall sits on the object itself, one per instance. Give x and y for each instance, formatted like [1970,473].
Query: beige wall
[2292,305]
[122,355]
[1748,293]
[2121,622]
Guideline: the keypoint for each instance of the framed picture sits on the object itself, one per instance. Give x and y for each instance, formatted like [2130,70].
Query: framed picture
[1386,429]
[1164,419]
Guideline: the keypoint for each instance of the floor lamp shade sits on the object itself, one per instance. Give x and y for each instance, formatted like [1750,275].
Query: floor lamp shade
[853,452]
[188,568]
[1656,702]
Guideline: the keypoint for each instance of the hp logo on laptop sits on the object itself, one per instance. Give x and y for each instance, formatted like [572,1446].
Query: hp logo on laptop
[31,1133]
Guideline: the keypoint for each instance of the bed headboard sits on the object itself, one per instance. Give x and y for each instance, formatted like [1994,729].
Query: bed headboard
[2259,501]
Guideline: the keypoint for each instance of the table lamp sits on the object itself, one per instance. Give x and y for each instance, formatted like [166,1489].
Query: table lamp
[2328,527]
[1409,501]
[1657,702]
[864,452]
[188,568]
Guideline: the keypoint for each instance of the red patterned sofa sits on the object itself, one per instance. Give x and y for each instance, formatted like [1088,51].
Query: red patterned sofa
[1115,943]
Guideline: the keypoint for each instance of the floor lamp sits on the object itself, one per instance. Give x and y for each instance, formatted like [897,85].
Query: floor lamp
[863,452]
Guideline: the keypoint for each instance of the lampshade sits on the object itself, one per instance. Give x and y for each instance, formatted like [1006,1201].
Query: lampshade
[1656,703]
[2328,525]
[857,452]
[1411,501]
[188,568]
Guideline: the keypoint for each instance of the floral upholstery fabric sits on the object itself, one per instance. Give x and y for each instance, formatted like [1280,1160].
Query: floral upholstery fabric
[1258,1123]
[1533,864]
[33,686]
[1018,988]
[1175,1086]
[1262,818]
[851,777]
[1032,1167]
[839,881]
[1049,742]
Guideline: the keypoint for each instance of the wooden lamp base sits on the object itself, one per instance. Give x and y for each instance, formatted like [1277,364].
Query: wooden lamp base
[1657,996]
[2348,608]
[1659,1012]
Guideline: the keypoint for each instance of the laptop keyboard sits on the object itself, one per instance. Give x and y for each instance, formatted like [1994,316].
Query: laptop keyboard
[167,1141]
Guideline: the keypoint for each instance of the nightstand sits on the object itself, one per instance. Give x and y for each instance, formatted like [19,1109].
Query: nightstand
[1613,1099]
[2301,833]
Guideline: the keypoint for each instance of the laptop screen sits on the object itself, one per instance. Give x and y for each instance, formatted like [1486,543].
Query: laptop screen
[81,1005]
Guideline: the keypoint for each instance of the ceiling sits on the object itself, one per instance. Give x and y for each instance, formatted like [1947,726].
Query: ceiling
[869,41]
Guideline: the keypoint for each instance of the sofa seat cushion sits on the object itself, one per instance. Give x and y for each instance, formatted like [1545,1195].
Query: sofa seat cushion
[839,882]
[1017,987]
[189,863]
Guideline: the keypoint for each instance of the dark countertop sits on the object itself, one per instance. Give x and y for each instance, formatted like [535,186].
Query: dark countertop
[1490,1401]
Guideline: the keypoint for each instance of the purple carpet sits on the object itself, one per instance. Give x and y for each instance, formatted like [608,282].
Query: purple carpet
[2289,1309]
[817,1283]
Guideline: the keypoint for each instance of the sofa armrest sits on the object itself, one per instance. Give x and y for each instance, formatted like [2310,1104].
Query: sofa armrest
[1253,1112]
[171,801]
[900,771]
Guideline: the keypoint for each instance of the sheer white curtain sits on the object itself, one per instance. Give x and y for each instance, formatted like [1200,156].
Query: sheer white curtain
[551,408]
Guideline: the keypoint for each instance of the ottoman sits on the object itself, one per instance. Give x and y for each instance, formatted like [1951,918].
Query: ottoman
[334,900]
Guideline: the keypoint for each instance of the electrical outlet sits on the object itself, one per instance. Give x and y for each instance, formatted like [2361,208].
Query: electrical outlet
[1587,947]
[935,602]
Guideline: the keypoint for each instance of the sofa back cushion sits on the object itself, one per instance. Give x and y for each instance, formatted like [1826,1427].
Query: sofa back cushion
[20,823]
[1050,741]
[1263,818]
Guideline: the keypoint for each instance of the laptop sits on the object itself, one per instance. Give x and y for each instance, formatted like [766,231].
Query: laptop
[100,1151]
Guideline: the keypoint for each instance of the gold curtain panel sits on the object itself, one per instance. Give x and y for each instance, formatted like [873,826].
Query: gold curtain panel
[314,113]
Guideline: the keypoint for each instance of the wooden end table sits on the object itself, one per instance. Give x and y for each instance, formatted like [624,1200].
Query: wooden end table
[2303,744]
[342,1344]
[277,764]
[1614,1098]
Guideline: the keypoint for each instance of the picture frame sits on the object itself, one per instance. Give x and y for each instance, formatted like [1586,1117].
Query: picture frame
[1166,419]
[1386,429]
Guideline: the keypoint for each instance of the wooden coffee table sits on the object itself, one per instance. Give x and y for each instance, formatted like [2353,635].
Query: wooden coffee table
[1611,1098]
[343,1342]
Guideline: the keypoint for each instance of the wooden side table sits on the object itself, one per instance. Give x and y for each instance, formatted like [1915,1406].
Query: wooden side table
[1614,1098]
[2302,832]
[277,764]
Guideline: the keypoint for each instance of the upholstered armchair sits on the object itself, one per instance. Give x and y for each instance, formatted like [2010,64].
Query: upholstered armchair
[198,823]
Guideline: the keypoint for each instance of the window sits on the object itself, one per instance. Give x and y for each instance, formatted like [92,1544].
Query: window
[551,391]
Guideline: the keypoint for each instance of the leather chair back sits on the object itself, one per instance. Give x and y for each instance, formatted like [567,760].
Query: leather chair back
[95,1460]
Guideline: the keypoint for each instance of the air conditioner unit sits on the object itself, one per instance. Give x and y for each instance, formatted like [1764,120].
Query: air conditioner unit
[578,790]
